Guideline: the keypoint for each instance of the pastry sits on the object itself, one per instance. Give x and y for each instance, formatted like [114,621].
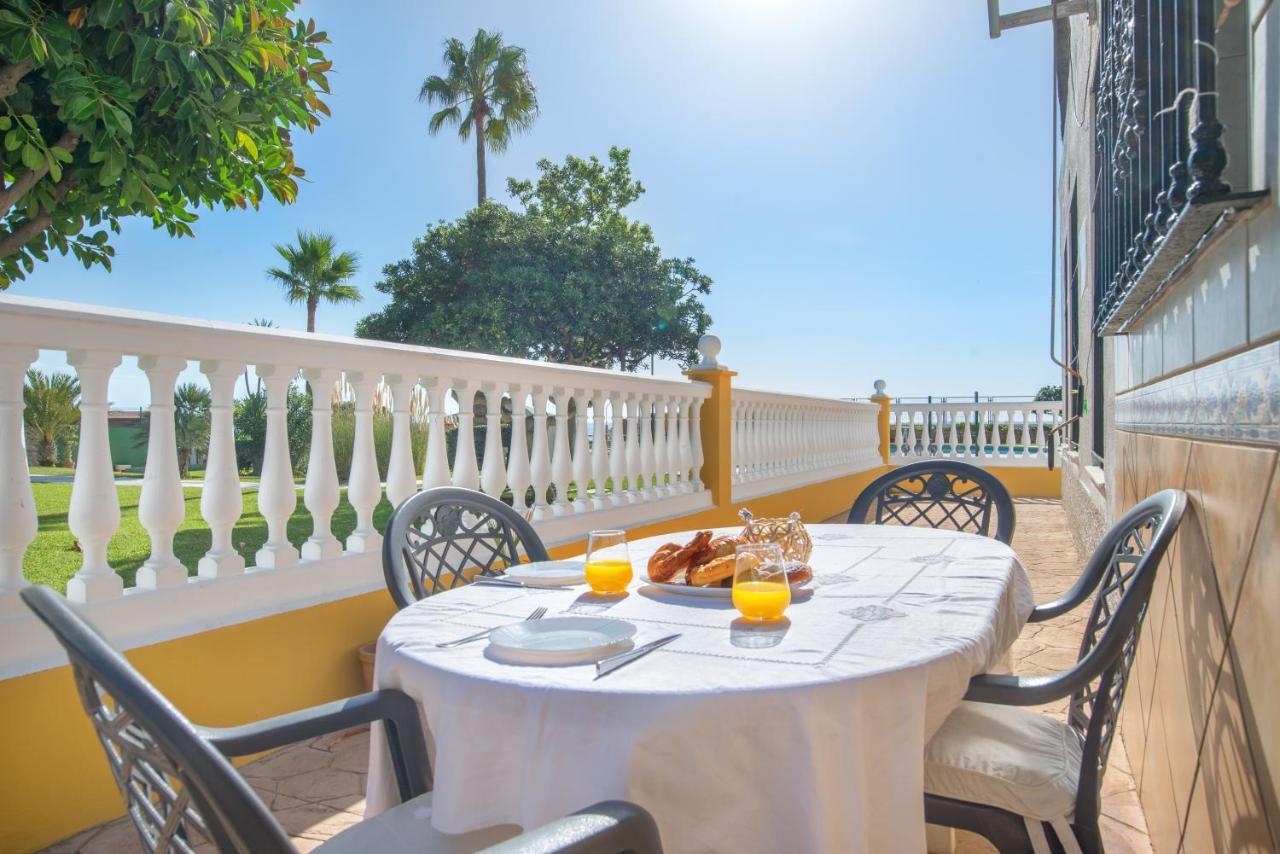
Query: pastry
[713,572]
[661,566]
[798,573]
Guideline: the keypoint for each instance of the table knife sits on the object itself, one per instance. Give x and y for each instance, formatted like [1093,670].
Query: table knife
[605,666]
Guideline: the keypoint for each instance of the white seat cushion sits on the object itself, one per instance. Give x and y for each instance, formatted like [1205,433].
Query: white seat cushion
[407,827]
[1005,756]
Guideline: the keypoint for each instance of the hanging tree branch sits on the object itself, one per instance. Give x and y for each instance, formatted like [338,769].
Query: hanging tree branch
[12,194]
[34,227]
[11,74]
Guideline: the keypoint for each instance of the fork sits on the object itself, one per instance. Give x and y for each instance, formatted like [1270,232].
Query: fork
[537,614]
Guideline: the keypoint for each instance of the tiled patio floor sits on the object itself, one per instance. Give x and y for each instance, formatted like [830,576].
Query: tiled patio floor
[316,788]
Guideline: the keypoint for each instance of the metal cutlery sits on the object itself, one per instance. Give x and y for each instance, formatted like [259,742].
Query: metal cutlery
[605,666]
[497,581]
[538,614]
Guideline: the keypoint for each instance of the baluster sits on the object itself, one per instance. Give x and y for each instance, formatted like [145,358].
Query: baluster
[161,506]
[599,452]
[953,437]
[320,494]
[695,441]
[364,487]
[747,430]
[18,522]
[402,479]
[684,448]
[436,470]
[493,472]
[617,450]
[659,446]
[934,418]
[673,445]
[519,477]
[904,440]
[466,472]
[540,461]
[561,464]
[220,499]
[737,443]
[94,512]
[581,454]
[634,475]
[1040,439]
[277,495]
[968,434]
[648,462]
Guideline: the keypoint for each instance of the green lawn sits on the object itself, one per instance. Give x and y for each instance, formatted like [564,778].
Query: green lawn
[52,557]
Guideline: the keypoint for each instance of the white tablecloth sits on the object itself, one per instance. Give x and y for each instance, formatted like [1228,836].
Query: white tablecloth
[738,738]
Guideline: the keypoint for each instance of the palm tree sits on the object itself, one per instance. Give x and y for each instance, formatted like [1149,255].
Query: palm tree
[316,271]
[486,90]
[191,405]
[50,413]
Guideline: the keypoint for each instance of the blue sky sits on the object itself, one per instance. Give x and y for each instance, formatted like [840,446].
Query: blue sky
[867,183]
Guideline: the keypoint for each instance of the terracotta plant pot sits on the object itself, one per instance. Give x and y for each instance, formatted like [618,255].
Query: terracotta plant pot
[366,653]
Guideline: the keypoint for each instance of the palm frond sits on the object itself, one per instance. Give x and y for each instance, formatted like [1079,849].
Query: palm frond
[449,115]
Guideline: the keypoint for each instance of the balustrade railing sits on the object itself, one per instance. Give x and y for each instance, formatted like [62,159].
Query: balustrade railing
[988,434]
[794,439]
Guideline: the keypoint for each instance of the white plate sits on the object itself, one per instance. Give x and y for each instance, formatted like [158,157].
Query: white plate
[549,573]
[561,640]
[705,592]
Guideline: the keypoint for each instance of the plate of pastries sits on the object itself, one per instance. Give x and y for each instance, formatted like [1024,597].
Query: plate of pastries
[704,566]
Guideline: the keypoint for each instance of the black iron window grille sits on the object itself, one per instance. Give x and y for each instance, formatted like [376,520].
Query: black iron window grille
[1159,145]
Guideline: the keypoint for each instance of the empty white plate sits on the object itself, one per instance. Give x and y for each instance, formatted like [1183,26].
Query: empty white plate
[561,640]
[549,573]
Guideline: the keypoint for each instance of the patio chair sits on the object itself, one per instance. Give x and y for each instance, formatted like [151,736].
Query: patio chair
[181,791]
[1005,772]
[937,494]
[443,537]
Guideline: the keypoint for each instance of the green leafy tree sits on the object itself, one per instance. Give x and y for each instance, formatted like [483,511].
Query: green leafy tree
[250,421]
[191,406]
[315,270]
[50,414]
[1049,392]
[570,278]
[485,91]
[144,107]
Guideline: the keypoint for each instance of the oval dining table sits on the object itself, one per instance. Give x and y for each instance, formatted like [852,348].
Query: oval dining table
[802,735]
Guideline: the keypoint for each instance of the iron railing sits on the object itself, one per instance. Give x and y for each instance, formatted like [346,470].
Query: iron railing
[1158,138]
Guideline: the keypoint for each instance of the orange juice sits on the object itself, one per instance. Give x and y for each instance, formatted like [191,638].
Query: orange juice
[609,575]
[761,600]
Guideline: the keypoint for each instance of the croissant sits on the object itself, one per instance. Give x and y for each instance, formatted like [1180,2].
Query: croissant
[661,566]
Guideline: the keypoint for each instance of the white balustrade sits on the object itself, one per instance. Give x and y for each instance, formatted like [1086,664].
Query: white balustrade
[784,441]
[320,495]
[466,472]
[519,475]
[220,499]
[161,506]
[436,470]
[635,486]
[695,429]
[561,465]
[18,523]
[990,433]
[617,450]
[540,455]
[364,486]
[581,455]
[599,453]
[493,473]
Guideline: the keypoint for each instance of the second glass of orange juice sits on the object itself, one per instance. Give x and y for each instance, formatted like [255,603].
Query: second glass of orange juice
[608,562]
[760,589]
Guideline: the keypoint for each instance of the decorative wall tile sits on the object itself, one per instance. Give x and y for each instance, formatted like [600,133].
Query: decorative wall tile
[1235,399]
[1218,286]
[1264,273]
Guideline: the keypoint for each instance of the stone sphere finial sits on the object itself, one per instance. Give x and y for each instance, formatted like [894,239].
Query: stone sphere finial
[709,348]
[879,385]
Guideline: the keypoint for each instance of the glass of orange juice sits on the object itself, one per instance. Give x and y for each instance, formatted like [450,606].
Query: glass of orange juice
[608,562]
[760,589]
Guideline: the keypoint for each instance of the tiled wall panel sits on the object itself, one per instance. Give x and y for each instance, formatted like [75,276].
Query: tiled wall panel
[1204,739]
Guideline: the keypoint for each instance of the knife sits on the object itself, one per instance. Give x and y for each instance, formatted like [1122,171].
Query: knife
[605,666]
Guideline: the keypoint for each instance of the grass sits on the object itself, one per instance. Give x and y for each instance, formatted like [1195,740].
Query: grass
[53,558]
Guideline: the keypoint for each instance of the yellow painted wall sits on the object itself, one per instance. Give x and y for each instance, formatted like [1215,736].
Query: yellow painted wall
[54,780]
[1034,482]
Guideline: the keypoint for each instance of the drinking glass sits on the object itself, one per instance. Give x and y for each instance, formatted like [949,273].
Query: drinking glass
[760,589]
[608,562]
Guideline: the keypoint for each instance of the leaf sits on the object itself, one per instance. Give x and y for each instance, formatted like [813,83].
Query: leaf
[246,142]
[55,168]
[32,158]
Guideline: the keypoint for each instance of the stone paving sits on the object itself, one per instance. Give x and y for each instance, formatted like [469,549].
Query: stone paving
[316,788]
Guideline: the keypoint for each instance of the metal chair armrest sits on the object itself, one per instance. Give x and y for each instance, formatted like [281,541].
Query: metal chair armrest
[1018,690]
[397,711]
[609,827]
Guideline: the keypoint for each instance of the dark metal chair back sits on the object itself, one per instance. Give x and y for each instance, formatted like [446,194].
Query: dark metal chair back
[443,537]
[179,790]
[938,494]
[1126,561]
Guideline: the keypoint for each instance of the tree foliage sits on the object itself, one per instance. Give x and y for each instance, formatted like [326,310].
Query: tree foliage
[146,107]
[191,413]
[569,278]
[50,414]
[485,90]
[315,270]
[1049,392]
